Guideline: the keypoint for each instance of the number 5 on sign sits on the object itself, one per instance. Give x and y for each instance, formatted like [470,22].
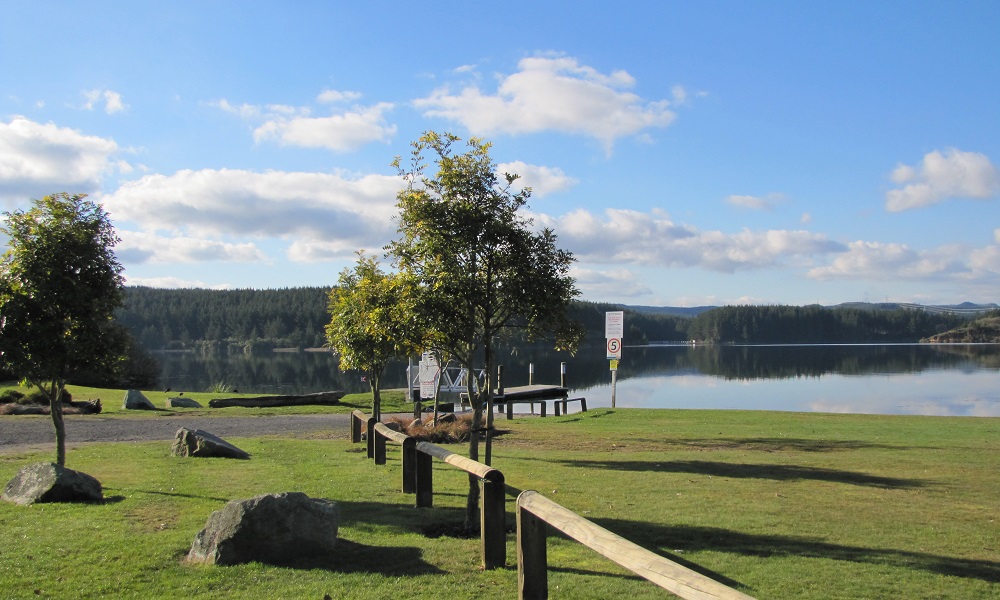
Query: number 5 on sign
[614,348]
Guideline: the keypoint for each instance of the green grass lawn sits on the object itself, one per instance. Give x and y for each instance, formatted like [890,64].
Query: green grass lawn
[778,505]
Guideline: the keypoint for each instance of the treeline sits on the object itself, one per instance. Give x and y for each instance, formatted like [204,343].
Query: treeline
[260,320]
[815,324]
[244,320]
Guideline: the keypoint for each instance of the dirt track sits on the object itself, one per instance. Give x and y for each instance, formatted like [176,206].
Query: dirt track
[21,431]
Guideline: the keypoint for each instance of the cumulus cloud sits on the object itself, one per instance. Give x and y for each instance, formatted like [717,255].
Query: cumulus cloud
[39,159]
[542,180]
[553,93]
[609,283]
[302,208]
[884,261]
[627,236]
[112,100]
[342,132]
[345,130]
[149,248]
[940,176]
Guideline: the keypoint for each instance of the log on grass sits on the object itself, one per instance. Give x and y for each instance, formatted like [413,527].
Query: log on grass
[262,401]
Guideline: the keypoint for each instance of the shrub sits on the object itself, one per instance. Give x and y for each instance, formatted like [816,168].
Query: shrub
[35,396]
[10,396]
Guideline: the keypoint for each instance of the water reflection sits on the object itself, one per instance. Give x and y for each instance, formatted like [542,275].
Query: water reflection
[926,379]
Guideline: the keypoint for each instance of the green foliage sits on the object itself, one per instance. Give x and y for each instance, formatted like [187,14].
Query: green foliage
[371,321]
[219,387]
[10,395]
[226,320]
[60,284]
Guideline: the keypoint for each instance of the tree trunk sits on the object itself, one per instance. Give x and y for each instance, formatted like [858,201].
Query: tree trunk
[472,500]
[55,409]
[373,381]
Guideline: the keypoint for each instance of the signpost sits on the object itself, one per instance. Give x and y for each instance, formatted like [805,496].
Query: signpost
[614,331]
[428,375]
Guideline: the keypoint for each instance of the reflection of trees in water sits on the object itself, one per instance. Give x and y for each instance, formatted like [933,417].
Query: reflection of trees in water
[304,372]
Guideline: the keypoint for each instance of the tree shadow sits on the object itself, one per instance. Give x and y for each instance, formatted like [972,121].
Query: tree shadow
[750,471]
[782,444]
[687,538]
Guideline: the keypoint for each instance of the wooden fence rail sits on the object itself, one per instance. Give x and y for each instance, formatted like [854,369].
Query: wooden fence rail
[418,478]
[535,510]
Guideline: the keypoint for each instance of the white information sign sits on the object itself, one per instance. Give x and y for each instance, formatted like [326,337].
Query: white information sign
[428,375]
[614,324]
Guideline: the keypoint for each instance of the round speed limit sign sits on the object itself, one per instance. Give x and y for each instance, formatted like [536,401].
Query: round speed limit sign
[614,347]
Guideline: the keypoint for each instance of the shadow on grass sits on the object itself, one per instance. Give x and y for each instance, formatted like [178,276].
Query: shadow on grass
[782,444]
[685,538]
[750,471]
[353,557]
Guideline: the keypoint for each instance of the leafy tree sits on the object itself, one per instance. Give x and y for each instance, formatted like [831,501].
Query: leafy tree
[60,284]
[479,267]
[370,321]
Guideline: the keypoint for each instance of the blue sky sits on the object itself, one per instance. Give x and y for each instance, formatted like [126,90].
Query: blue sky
[687,153]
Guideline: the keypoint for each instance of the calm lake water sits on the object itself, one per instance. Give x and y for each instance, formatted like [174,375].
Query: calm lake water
[918,379]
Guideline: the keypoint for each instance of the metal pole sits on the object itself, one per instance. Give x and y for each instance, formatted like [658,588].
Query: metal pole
[614,381]
[562,374]
[531,373]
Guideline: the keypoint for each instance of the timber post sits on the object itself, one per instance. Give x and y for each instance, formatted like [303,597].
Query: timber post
[371,437]
[493,521]
[356,419]
[410,465]
[532,559]
[424,479]
[379,454]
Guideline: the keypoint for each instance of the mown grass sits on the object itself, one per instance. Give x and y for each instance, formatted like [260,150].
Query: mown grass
[111,403]
[779,505]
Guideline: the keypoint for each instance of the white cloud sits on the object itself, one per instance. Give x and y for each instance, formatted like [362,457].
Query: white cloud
[301,208]
[553,93]
[149,248]
[940,176]
[174,283]
[751,202]
[627,236]
[112,100]
[888,261]
[343,132]
[542,180]
[37,159]
[346,130]
[609,283]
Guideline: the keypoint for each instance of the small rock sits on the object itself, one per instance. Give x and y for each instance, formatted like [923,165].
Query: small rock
[202,444]
[179,402]
[49,482]
[135,400]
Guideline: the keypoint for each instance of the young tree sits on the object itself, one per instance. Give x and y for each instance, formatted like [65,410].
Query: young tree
[60,284]
[370,321]
[478,265]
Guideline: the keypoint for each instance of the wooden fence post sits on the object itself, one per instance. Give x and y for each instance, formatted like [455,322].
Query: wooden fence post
[532,561]
[493,521]
[425,480]
[410,465]
[379,447]
[356,417]
[371,437]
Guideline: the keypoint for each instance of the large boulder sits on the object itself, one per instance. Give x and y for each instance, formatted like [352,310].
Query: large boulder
[202,444]
[49,482]
[278,529]
[180,402]
[135,400]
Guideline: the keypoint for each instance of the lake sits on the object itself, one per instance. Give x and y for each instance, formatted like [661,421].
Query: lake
[915,379]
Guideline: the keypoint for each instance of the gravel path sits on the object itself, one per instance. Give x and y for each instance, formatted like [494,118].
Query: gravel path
[21,431]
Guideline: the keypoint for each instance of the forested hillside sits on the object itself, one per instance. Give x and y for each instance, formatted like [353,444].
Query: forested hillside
[816,324]
[248,320]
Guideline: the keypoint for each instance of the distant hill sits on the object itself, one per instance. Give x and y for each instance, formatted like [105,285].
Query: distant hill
[677,311]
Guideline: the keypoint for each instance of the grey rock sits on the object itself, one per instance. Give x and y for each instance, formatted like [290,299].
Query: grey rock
[135,400]
[179,402]
[279,529]
[202,444]
[49,482]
